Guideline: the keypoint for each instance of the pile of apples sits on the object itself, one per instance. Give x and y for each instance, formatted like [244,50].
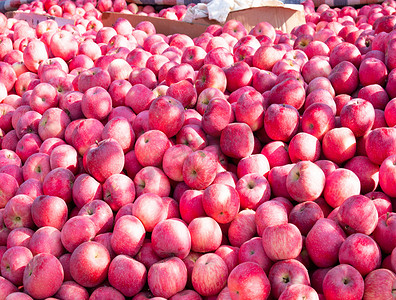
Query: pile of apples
[82,9]
[235,165]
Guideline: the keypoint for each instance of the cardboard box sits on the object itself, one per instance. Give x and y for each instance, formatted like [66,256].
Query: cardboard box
[34,19]
[281,16]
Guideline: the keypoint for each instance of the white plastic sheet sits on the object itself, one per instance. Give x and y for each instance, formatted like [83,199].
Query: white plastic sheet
[219,9]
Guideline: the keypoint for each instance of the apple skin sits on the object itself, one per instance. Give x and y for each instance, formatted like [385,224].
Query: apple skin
[184,92]
[248,281]
[128,235]
[266,56]
[367,172]
[58,42]
[343,281]
[361,252]
[388,112]
[71,237]
[253,189]
[149,209]
[366,74]
[59,182]
[316,67]
[376,94]
[173,160]
[201,239]
[383,233]
[150,147]
[252,251]
[282,242]
[218,114]
[343,83]
[379,284]
[83,133]
[358,214]
[118,190]
[205,97]
[305,181]
[304,146]
[186,294]
[120,129]
[146,254]
[304,216]
[323,248]
[64,156]
[85,189]
[381,201]
[220,56]
[167,115]
[277,178]
[108,151]
[53,123]
[381,143]
[33,54]
[238,75]
[345,52]
[43,276]
[209,275]
[93,77]
[152,180]
[71,289]
[28,144]
[390,84]
[127,275]
[193,136]
[167,277]
[281,122]
[210,75]
[141,92]
[237,140]
[17,212]
[105,240]
[221,202]
[229,254]
[242,228]
[290,92]
[100,214]
[17,237]
[13,263]
[190,205]
[89,264]
[299,290]
[277,153]
[335,196]
[358,115]
[46,239]
[285,273]
[339,145]
[18,296]
[199,169]
[387,175]
[43,91]
[96,103]
[270,213]
[250,109]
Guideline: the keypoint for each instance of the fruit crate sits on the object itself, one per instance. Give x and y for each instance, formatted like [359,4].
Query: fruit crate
[282,16]
[34,19]
[9,5]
